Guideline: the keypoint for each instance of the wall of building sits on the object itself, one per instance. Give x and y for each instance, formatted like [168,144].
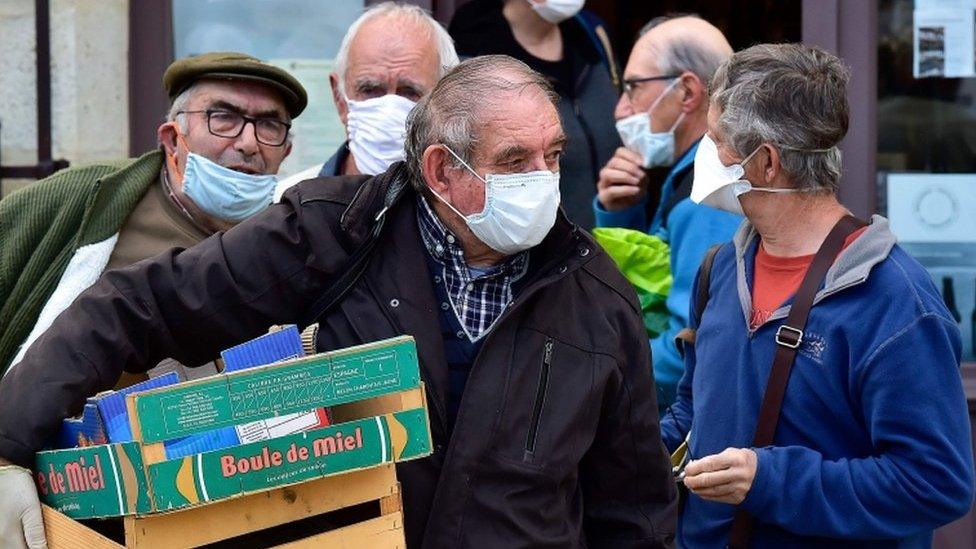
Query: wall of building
[89,82]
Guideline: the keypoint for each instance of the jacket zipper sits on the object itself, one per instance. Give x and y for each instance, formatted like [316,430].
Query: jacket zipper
[531,288]
[540,399]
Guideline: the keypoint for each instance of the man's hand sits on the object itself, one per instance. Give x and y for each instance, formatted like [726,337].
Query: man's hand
[21,525]
[725,477]
[623,182]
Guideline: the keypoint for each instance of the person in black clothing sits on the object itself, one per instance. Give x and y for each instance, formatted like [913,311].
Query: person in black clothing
[576,57]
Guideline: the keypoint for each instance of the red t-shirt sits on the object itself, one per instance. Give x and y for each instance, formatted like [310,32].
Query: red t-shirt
[776,279]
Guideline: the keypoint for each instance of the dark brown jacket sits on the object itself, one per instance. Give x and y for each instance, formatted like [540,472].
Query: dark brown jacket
[596,473]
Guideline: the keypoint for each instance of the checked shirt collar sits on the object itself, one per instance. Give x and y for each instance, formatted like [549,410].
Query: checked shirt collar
[478,296]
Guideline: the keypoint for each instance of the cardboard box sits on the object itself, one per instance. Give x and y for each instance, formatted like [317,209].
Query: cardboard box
[138,478]
[98,481]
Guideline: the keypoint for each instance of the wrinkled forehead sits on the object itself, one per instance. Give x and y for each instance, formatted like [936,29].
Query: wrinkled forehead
[246,97]
[394,47]
[524,118]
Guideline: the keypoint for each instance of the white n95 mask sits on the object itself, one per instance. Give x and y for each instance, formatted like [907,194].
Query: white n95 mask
[377,129]
[520,209]
[557,11]
[720,186]
[657,149]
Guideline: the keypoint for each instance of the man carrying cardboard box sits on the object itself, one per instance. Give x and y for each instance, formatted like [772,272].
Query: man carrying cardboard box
[530,341]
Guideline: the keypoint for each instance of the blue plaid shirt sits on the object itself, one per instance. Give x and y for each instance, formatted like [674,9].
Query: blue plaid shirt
[478,296]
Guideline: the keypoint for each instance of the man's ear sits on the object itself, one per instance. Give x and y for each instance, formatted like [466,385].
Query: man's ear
[694,92]
[337,98]
[434,168]
[166,136]
[771,165]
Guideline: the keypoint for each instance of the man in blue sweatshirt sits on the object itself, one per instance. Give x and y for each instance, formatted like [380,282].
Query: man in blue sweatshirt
[872,447]
[661,119]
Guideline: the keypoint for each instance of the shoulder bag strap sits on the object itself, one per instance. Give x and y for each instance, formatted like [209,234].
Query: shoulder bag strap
[789,337]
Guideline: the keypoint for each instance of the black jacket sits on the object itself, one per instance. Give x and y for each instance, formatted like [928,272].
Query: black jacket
[587,93]
[596,472]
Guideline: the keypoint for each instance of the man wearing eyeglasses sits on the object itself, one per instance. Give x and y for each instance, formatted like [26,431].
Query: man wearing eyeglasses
[661,118]
[226,133]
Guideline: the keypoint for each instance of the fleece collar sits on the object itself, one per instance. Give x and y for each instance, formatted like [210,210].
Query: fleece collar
[851,268]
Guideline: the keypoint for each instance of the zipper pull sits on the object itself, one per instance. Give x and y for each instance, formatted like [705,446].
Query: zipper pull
[547,357]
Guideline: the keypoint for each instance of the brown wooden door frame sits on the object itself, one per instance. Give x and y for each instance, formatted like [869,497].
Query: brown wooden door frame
[849,29]
[150,52]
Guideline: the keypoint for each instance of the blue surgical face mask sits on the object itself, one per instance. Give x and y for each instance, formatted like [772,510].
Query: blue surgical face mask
[225,193]
[657,149]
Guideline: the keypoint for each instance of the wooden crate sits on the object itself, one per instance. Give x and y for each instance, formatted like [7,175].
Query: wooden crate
[390,426]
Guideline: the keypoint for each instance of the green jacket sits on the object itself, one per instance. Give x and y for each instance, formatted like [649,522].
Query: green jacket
[44,227]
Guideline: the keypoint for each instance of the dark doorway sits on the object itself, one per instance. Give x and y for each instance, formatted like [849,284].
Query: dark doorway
[744,22]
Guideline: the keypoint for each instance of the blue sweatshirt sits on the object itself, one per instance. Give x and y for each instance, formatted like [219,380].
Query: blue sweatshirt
[873,445]
[691,229]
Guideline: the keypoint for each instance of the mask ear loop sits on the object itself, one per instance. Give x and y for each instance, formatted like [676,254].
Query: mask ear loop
[657,101]
[466,165]
[171,158]
[448,204]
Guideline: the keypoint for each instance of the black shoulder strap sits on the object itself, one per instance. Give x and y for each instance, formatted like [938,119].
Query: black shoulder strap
[356,264]
[704,280]
[686,337]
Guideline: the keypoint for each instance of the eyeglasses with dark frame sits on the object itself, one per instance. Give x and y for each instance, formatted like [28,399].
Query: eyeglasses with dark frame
[229,124]
[630,84]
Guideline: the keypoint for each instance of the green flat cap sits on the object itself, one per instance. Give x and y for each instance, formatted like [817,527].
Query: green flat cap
[234,66]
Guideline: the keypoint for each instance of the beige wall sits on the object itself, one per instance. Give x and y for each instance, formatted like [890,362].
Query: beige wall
[89,82]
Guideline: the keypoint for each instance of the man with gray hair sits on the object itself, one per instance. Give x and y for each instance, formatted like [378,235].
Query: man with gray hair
[822,394]
[390,57]
[530,342]
[661,119]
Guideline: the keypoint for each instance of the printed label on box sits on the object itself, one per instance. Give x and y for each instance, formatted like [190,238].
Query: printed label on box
[259,393]
[97,481]
[290,459]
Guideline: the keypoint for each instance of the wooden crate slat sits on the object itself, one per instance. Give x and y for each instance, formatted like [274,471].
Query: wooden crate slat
[326,379]
[254,512]
[64,533]
[385,531]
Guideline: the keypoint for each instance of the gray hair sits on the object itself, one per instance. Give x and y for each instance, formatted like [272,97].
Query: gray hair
[447,56]
[793,97]
[450,114]
[685,54]
[179,104]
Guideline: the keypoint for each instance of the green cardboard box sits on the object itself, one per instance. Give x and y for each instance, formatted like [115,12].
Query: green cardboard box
[120,479]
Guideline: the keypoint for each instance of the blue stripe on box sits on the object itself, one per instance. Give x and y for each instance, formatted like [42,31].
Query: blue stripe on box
[285,344]
[111,406]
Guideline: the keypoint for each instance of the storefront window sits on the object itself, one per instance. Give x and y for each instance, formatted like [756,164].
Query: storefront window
[301,36]
[927,141]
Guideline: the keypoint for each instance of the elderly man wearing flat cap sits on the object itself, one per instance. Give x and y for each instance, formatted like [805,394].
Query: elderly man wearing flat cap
[223,140]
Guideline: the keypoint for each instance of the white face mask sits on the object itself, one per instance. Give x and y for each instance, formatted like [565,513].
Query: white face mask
[557,11]
[377,129]
[520,209]
[657,149]
[720,186]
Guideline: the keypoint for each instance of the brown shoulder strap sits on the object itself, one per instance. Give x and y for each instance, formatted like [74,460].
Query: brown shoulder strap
[789,337]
